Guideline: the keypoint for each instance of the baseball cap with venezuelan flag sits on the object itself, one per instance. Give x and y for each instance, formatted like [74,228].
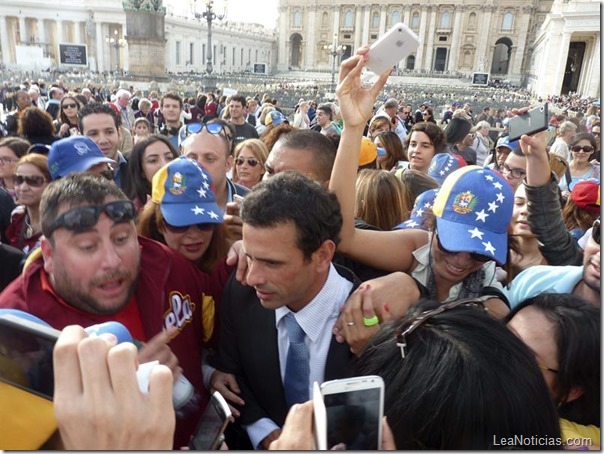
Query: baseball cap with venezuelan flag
[185,194]
[473,209]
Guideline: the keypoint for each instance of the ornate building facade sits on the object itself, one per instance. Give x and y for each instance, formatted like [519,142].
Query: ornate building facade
[31,31]
[494,36]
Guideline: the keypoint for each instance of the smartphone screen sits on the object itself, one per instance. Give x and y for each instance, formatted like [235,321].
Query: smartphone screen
[354,419]
[26,356]
[212,424]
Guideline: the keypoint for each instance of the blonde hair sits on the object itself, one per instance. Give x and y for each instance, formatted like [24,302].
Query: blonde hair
[259,150]
[379,198]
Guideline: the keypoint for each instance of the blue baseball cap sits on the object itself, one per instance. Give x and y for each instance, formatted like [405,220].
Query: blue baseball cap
[505,142]
[74,154]
[473,209]
[185,194]
[443,164]
[421,210]
[275,118]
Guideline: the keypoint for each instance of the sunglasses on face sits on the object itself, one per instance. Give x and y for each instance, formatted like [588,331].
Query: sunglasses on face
[583,149]
[69,106]
[212,128]
[184,228]
[474,256]
[252,162]
[595,231]
[34,182]
[81,218]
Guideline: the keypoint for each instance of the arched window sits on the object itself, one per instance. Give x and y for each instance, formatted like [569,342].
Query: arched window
[472,21]
[324,19]
[508,20]
[297,19]
[415,20]
[395,18]
[375,20]
[411,62]
[445,20]
[348,19]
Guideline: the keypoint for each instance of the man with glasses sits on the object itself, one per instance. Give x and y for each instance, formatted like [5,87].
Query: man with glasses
[93,268]
[514,168]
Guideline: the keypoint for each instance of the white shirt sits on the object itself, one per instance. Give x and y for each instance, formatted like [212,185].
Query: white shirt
[317,319]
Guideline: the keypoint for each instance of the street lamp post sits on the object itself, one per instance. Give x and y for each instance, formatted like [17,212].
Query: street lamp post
[210,15]
[335,50]
[116,42]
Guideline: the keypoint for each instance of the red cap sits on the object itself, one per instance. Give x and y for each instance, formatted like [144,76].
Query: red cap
[586,195]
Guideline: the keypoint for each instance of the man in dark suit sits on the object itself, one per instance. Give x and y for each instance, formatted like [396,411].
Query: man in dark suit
[291,228]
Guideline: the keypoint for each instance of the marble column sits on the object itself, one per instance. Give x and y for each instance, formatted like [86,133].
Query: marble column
[382,21]
[357,28]
[562,54]
[100,46]
[515,69]
[283,30]
[312,40]
[78,33]
[59,24]
[484,28]
[366,13]
[4,41]
[592,78]
[423,19]
[455,40]
[406,14]
[23,30]
[430,47]
[42,33]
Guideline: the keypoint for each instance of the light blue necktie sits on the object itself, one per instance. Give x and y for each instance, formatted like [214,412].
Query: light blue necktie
[297,366]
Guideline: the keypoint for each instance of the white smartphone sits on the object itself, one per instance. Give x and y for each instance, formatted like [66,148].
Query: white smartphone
[352,415]
[209,433]
[396,44]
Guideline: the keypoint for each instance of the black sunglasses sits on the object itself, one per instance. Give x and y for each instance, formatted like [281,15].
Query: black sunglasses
[252,162]
[69,106]
[34,182]
[204,227]
[477,257]
[584,149]
[595,231]
[212,128]
[79,219]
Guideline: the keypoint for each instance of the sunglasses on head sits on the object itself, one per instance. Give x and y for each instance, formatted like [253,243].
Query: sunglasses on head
[39,148]
[204,227]
[81,218]
[212,128]
[583,149]
[474,256]
[34,182]
[69,106]
[252,162]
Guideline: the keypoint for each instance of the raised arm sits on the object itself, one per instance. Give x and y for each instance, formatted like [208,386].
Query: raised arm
[385,250]
[544,210]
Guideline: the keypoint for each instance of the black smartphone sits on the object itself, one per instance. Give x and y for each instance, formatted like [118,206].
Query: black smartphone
[26,355]
[531,122]
[209,433]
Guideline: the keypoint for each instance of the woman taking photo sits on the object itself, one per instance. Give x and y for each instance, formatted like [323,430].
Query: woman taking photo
[146,158]
[66,124]
[31,178]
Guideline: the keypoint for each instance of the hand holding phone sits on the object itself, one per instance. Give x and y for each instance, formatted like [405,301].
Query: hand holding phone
[351,415]
[529,123]
[396,44]
[209,433]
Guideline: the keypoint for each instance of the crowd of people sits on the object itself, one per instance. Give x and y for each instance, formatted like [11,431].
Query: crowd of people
[254,245]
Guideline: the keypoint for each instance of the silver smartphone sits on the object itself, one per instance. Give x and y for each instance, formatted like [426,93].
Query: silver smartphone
[351,417]
[396,44]
[531,122]
[209,433]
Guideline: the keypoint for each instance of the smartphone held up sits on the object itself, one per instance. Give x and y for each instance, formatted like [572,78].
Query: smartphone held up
[396,44]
